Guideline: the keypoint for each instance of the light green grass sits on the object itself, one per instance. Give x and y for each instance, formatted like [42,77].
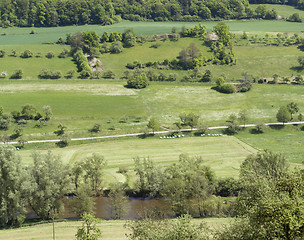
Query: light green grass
[80,104]
[222,154]
[286,141]
[283,10]
[111,230]
[17,36]
[31,67]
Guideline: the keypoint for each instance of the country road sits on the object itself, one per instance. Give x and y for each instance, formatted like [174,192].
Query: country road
[157,132]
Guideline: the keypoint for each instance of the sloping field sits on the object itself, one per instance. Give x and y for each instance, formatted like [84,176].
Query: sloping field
[223,154]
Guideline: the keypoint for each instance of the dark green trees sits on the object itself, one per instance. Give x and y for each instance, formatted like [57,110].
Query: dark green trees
[14,187]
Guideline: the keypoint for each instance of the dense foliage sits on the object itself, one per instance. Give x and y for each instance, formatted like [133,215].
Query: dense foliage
[41,13]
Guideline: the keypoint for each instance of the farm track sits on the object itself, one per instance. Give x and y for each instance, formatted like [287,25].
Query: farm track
[157,132]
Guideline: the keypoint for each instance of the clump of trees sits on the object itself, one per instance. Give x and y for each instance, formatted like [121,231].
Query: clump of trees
[138,80]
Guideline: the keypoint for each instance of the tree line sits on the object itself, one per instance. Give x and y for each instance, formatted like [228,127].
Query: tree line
[48,13]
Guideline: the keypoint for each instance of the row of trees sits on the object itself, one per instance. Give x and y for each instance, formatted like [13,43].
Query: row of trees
[269,206]
[69,12]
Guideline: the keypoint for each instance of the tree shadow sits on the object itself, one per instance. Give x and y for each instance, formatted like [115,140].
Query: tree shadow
[277,127]
[61,144]
[255,131]
[59,132]
[296,68]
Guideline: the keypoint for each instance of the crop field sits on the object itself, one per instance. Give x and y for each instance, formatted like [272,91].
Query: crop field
[17,36]
[111,230]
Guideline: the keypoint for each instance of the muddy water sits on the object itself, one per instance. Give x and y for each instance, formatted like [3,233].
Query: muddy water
[135,208]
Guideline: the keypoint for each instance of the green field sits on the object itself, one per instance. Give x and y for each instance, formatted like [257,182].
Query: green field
[17,36]
[31,67]
[283,10]
[287,141]
[222,154]
[82,103]
[111,230]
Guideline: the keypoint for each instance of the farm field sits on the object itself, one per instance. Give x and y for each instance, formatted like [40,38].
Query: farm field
[16,36]
[111,230]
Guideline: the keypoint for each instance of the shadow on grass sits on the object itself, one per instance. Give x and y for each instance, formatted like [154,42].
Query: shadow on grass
[59,132]
[61,144]
[277,127]
[255,131]
[297,69]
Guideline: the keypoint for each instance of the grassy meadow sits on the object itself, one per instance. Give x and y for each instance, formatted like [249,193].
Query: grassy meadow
[79,104]
[283,10]
[222,154]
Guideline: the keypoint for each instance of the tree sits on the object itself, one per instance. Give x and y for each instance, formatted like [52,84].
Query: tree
[222,31]
[50,183]
[233,124]
[118,200]
[47,112]
[153,124]
[190,119]
[116,47]
[271,201]
[301,61]
[88,230]
[292,108]
[150,177]
[207,76]
[138,81]
[188,179]
[17,74]
[93,167]
[164,229]
[82,202]
[261,11]
[260,127]
[220,81]
[129,38]
[243,116]
[28,111]
[14,187]
[294,18]
[283,115]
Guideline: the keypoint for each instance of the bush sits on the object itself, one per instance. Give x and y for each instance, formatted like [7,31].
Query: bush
[48,74]
[2,53]
[64,53]
[138,82]
[226,88]
[70,74]
[85,74]
[26,54]
[116,47]
[50,55]
[17,74]
[108,74]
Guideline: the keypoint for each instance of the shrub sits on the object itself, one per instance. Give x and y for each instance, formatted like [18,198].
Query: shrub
[108,74]
[64,53]
[33,31]
[17,74]
[26,54]
[226,88]
[138,82]
[48,74]
[116,47]
[85,74]
[70,74]
[2,53]
[50,55]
